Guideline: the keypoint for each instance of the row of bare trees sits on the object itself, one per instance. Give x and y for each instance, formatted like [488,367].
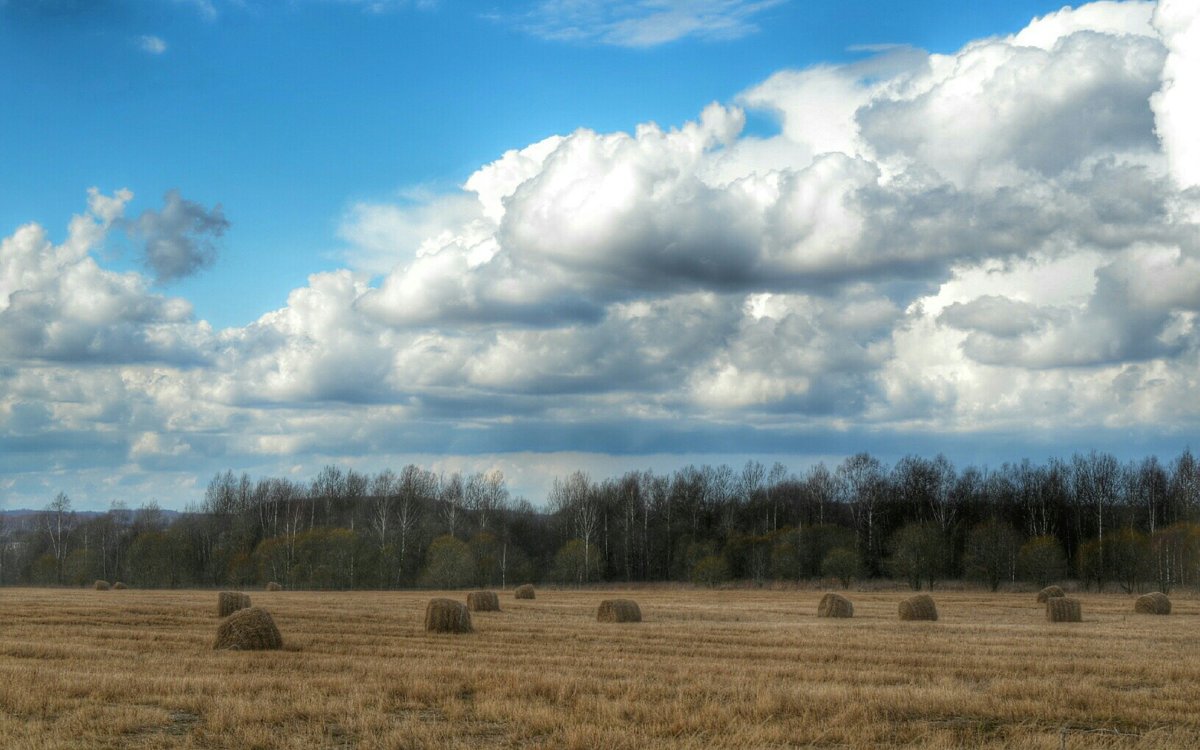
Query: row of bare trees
[858,518]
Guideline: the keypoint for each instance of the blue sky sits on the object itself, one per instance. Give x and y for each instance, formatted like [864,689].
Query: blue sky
[558,234]
[286,113]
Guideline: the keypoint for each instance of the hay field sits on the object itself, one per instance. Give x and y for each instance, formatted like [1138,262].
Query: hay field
[135,669]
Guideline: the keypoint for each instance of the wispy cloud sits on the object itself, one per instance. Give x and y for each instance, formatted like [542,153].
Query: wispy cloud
[205,8]
[386,6]
[152,45]
[643,23]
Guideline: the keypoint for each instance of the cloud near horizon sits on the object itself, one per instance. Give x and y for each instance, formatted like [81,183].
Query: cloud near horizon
[1002,240]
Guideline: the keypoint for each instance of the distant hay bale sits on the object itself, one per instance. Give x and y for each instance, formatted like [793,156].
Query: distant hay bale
[919,607]
[1050,592]
[119,586]
[1063,609]
[619,610]
[1156,603]
[101,586]
[483,601]
[835,605]
[524,592]
[447,616]
[272,586]
[250,629]
[229,602]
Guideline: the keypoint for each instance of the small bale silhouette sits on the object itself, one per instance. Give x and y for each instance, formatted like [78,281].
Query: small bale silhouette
[619,610]
[1156,603]
[272,586]
[101,586]
[919,607]
[483,601]
[250,629]
[524,592]
[1063,609]
[1050,592]
[835,605]
[119,586]
[447,616]
[229,602]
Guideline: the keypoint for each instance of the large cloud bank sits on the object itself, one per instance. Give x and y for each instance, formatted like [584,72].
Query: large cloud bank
[1000,239]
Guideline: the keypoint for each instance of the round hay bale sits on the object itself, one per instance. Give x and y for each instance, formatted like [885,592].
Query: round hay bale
[619,610]
[919,607]
[483,601]
[119,586]
[229,602]
[447,616]
[101,586]
[272,586]
[835,605]
[1063,609]
[1156,603]
[1050,592]
[250,629]
[524,592]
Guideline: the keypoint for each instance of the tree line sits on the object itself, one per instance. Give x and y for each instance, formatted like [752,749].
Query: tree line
[1090,517]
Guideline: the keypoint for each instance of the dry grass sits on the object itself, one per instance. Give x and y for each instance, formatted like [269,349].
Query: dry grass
[101,586]
[619,610]
[721,669]
[273,586]
[835,605]
[250,629]
[447,616]
[1050,592]
[483,601]
[229,602]
[1156,603]
[524,591]
[919,607]
[1064,609]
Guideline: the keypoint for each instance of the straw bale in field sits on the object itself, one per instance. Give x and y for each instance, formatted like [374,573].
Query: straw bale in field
[619,610]
[835,605]
[919,607]
[272,586]
[447,616]
[1156,603]
[524,592]
[119,586]
[1050,592]
[1063,609]
[229,602]
[101,586]
[250,629]
[483,601]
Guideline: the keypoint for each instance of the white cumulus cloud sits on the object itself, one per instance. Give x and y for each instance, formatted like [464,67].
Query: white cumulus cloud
[994,240]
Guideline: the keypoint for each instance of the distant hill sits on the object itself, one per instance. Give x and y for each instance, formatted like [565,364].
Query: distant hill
[22,514]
